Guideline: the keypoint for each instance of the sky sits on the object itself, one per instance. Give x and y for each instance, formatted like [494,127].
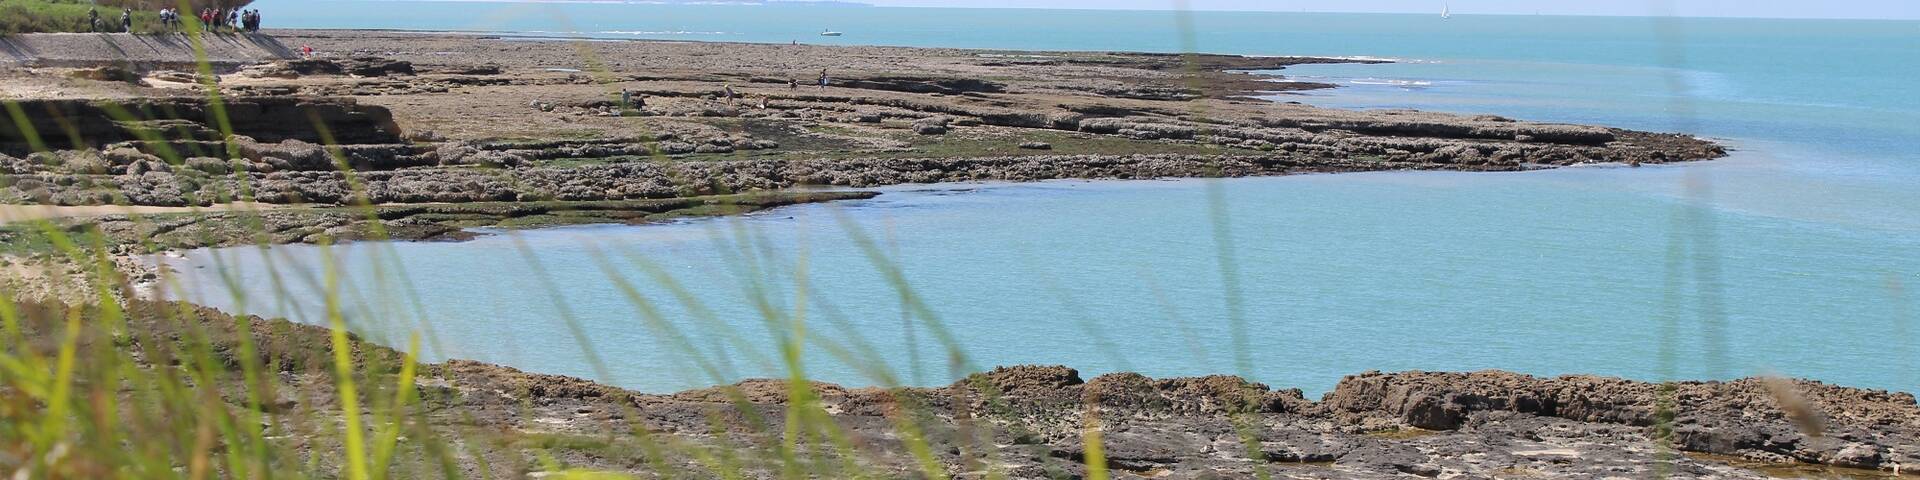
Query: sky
[1880,9]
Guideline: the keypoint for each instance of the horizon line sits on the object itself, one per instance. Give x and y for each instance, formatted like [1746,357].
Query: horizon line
[1342,12]
[856,3]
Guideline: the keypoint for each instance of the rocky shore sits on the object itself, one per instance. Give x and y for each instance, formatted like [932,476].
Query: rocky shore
[1038,421]
[452,118]
[1033,420]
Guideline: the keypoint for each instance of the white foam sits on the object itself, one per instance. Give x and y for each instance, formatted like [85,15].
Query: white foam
[1366,58]
[662,32]
[1391,82]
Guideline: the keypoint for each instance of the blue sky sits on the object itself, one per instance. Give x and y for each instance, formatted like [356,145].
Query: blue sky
[1884,9]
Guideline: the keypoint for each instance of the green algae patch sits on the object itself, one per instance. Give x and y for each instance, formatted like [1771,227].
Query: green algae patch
[128,233]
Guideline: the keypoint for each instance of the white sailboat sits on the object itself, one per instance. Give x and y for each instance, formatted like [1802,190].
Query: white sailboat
[1446,11]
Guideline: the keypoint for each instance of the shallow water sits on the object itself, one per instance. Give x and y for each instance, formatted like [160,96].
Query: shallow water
[1339,274]
[1795,256]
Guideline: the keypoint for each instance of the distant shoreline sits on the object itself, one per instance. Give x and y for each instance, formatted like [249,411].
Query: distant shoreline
[416,113]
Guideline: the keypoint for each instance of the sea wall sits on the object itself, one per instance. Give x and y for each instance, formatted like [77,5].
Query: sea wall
[169,51]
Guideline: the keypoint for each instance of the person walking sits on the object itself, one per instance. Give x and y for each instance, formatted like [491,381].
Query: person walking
[93,20]
[126,20]
[792,84]
[823,79]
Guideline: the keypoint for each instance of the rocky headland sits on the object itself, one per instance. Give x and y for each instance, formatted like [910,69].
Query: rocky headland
[450,118]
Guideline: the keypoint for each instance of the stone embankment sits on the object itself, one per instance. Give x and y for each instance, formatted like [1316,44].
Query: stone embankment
[85,50]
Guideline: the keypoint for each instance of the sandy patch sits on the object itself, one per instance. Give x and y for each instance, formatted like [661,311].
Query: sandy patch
[23,213]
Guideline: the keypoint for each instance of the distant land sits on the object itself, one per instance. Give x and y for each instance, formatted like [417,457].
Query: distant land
[800,3]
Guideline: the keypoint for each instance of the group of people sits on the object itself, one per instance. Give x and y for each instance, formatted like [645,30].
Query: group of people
[250,20]
[212,19]
[169,19]
[631,101]
[793,84]
[93,20]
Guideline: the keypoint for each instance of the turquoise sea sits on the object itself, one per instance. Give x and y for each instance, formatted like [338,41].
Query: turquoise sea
[1799,255]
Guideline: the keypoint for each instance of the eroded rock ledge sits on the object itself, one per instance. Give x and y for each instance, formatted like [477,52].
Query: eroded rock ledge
[463,118]
[1374,424]
[1030,421]
[169,153]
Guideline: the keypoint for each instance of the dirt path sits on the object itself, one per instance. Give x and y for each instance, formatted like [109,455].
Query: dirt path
[26,213]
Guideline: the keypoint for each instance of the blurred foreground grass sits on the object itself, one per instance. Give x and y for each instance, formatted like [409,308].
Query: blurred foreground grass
[100,380]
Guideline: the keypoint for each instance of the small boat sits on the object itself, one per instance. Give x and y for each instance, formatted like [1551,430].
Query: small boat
[1446,11]
[829,33]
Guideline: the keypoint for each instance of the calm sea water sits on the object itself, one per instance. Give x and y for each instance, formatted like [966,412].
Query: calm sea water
[1797,256]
